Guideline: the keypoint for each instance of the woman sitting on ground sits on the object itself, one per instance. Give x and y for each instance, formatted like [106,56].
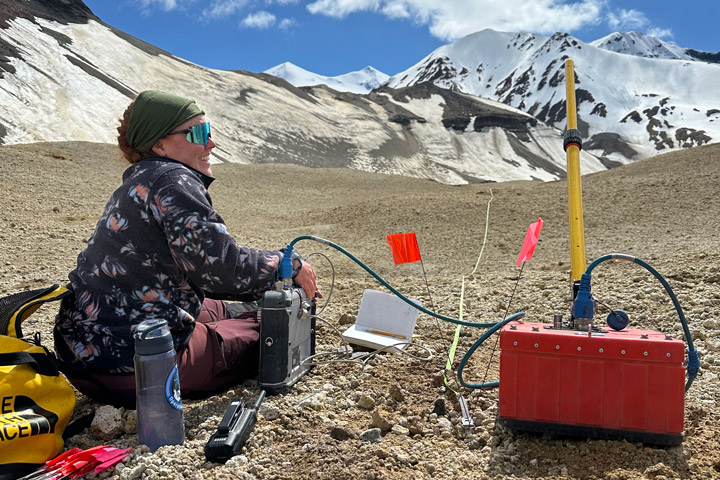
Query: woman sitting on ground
[160,250]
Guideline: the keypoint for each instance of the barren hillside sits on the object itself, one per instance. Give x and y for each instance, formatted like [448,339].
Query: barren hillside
[662,210]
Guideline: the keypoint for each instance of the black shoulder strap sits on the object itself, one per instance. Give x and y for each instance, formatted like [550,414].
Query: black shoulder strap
[14,309]
[78,425]
[42,363]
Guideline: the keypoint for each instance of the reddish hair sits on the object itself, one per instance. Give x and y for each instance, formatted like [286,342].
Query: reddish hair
[130,153]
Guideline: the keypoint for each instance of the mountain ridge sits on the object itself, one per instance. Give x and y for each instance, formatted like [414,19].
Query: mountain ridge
[430,121]
[71,87]
[647,104]
[617,130]
[639,44]
[360,81]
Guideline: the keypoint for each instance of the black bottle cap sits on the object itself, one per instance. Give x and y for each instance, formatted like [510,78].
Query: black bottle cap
[152,337]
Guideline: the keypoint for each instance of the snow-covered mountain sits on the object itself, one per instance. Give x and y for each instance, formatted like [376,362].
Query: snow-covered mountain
[361,81]
[636,95]
[65,75]
[641,45]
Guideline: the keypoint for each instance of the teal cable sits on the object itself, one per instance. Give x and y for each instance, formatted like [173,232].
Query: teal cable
[693,360]
[288,251]
[478,342]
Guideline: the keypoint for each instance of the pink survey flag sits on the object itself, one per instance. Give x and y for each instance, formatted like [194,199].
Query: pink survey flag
[531,239]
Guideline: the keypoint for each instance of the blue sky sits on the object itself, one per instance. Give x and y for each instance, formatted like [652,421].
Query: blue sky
[332,37]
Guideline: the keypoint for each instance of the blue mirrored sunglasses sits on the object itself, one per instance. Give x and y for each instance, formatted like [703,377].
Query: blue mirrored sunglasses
[198,133]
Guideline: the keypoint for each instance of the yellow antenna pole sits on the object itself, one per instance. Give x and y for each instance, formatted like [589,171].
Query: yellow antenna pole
[572,145]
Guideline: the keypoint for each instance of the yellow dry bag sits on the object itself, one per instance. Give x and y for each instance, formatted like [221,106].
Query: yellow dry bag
[36,401]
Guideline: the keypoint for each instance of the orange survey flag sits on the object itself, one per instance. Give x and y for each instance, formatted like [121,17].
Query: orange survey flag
[531,239]
[404,247]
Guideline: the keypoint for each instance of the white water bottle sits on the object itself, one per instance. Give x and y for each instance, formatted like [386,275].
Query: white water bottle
[157,386]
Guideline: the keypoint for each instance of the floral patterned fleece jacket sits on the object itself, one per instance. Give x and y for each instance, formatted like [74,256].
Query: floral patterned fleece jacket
[158,249]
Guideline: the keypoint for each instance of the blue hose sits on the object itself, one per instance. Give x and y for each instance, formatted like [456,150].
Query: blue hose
[693,364]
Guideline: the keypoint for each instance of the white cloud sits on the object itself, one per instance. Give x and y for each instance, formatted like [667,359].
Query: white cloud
[261,19]
[664,33]
[286,24]
[166,5]
[223,8]
[452,19]
[342,8]
[396,10]
[627,20]
[632,19]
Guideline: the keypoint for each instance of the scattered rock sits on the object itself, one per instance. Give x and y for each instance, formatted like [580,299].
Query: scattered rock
[107,424]
[347,319]
[269,411]
[371,435]
[659,471]
[396,393]
[380,452]
[399,430]
[299,444]
[476,442]
[135,472]
[238,461]
[444,424]
[343,433]
[380,421]
[440,408]
[414,425]
[130,423]
[314,402]
[366,401]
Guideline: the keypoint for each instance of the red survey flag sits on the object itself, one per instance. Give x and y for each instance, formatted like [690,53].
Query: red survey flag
[76,463]
[404,247]
[531,239]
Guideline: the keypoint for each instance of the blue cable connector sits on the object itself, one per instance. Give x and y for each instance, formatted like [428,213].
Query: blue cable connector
[584,305]
[286,267]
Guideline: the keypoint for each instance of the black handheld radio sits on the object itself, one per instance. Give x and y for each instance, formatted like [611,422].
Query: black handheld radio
[235,428]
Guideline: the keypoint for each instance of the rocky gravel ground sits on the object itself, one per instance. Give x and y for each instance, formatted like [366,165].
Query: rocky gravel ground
[393,417]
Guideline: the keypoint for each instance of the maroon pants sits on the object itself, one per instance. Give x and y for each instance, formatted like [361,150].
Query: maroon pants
[221,353]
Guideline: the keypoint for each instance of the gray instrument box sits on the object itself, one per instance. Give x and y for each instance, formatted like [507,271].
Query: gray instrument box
[287,338]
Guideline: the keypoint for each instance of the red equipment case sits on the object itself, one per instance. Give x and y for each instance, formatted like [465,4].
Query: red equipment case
[607,384]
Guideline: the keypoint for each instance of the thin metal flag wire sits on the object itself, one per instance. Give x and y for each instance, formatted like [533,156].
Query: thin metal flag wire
[507,309]
[526,252]
[405,249]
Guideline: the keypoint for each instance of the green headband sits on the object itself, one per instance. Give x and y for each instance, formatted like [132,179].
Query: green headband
[154,115]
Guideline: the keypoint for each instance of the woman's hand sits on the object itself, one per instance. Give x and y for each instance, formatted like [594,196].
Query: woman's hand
[306,279]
